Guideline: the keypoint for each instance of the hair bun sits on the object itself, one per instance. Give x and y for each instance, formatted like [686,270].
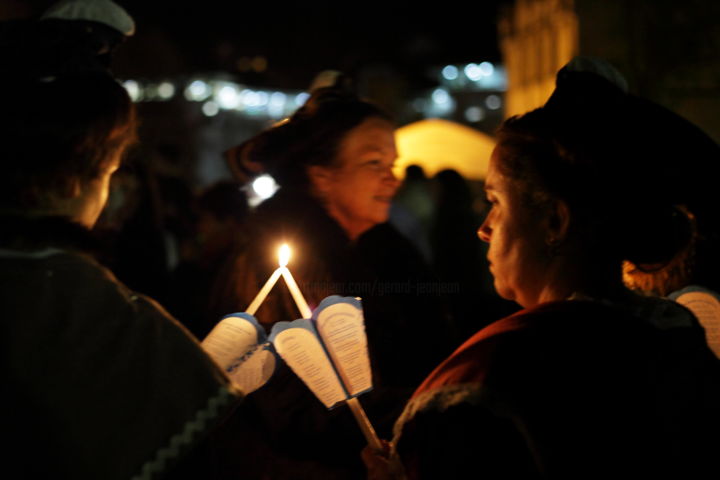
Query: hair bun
[654,238]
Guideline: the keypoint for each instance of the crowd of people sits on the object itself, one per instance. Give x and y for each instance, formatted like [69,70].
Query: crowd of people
[592,225]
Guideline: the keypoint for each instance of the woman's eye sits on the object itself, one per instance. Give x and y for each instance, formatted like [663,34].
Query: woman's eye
[375,164]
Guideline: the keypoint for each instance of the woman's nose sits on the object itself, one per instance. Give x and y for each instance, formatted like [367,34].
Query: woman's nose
[484,232]
[391,178]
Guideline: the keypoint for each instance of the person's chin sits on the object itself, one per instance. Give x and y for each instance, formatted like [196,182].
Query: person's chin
[382,217]
[382,213]
[503,291]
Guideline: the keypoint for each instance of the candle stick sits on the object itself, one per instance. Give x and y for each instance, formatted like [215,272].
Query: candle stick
[296,293]
[353,403]
[283,259]
[357,409]
[260,297]
[364,423]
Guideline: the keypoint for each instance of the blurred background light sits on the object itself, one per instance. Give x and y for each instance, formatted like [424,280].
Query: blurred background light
[493,102]
[264,186]
[133,89]
[486,69]
[166,90]
[210,108]
[474,114]
[228,97]
[450,72]
[197,91]
[473,71]
[276,106]
[440,96]
[301,98]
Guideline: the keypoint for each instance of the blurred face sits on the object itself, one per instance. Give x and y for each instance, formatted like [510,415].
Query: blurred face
[517,240]
[358,191]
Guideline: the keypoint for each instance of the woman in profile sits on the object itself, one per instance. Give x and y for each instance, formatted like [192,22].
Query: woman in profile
[333,160]
[589,379]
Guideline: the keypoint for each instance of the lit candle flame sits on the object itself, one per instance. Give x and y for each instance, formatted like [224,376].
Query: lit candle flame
[284,255]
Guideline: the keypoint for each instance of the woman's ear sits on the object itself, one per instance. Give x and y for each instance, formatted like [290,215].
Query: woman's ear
[320,179]
[558,223]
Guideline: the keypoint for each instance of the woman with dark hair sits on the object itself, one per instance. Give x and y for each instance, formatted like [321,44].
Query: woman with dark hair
[100,381]
[333,160]
[589,379]
[689,166]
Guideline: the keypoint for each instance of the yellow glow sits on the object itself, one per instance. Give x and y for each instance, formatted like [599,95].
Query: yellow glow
[437,144]
[284,255]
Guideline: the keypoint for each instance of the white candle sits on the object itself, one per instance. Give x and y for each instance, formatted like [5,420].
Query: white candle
[264,291]
[353,403]
[296,293]
[283,259]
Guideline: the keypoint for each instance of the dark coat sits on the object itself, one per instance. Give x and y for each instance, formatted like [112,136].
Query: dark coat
[573,389]
[100,381]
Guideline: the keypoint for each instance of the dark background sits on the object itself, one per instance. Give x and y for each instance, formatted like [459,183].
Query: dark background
[298,39]
[301,38]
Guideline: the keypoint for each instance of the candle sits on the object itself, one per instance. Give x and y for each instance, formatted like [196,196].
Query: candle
[283,259]
[353,403]
[260,297]
[364,424]
[296,293]
[283,255]
[355,407]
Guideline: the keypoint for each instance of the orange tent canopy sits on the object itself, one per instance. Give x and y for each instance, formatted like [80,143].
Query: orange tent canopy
[437,144]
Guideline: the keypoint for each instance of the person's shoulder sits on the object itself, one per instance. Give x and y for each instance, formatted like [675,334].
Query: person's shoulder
[59,266]
[83,272]
[542,335]
[579,314]
[468,366]
[78,285]
[70,261]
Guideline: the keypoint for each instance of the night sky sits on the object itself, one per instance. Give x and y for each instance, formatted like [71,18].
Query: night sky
[298,39]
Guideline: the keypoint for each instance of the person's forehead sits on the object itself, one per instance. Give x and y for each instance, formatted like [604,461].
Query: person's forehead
[493,178]
[370,137]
